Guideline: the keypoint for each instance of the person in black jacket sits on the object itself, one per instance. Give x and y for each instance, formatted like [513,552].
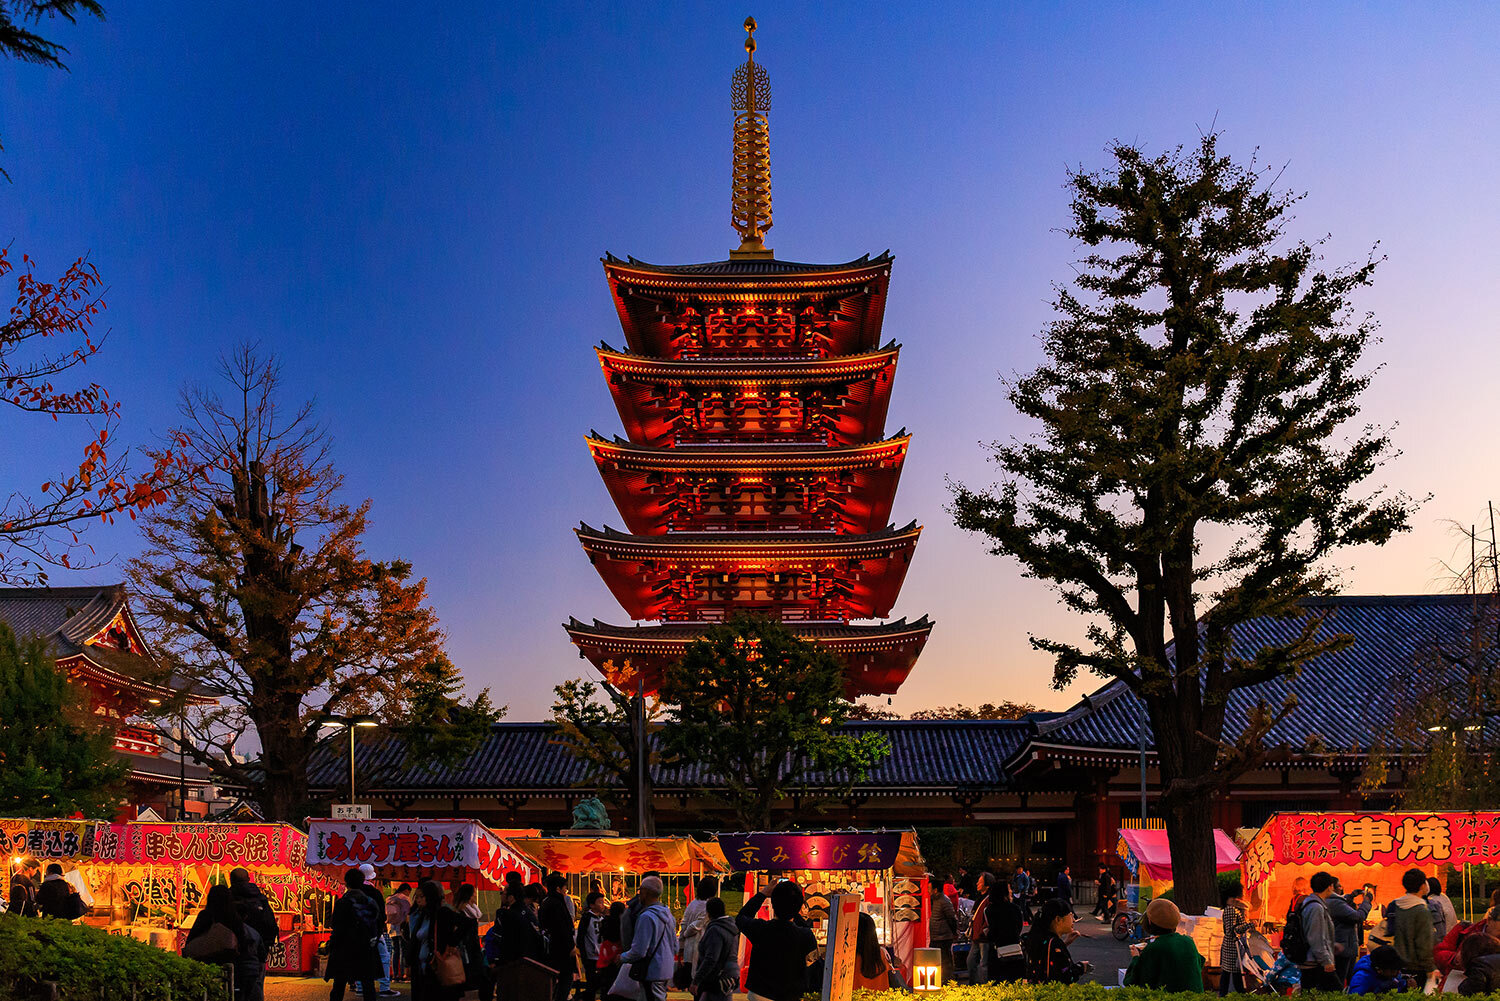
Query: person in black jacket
[1046,947]
[255,910]
[1003,932]
[357,922]
[779,947]
[57,898]
[1065,888]
[557,923]
[249,969]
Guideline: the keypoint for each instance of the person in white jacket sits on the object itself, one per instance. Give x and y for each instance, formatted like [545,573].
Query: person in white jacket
[653,939]
[695,920]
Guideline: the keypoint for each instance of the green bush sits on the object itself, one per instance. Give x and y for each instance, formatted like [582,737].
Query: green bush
[87,963]
[1077,992]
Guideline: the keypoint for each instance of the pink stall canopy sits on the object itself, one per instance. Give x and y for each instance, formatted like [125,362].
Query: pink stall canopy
[1148,854]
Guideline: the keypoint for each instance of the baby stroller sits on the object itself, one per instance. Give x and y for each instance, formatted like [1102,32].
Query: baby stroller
[1273,972]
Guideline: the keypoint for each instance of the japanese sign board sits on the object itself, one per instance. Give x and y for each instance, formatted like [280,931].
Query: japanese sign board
[257,847]
[573,854]
[47,839]
[1372,839]
[843,850]
[843,932]
[415,848]
[352,811]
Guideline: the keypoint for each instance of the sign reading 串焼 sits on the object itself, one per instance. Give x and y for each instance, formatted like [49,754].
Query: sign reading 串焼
[1372,839]
[775,852]
[839,960]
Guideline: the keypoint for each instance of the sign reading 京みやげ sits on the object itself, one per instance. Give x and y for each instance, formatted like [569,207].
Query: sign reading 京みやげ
[843,931]
[780,852]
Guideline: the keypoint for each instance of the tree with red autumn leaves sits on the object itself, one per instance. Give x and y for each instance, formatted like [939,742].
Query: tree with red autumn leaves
[47,336]
[256,586]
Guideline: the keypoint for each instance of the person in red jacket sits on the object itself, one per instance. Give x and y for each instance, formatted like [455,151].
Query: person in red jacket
[1445,953]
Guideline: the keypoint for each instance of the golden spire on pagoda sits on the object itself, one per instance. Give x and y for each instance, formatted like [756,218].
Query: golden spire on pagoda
[750,212]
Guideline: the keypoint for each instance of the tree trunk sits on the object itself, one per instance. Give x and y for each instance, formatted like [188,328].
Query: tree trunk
[1190,829]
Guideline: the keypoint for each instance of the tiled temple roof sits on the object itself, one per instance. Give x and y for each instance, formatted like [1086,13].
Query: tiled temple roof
[1344,698]
[932,755]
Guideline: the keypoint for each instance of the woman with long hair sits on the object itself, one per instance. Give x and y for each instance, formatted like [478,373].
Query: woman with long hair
[466,906]
[1046,948]
[872,966]
[431,928]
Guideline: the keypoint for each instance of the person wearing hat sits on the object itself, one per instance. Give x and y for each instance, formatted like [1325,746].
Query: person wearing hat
[1170,961]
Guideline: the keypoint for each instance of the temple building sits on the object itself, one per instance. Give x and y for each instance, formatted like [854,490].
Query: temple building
[756,474]
[92,634]
[1045,790]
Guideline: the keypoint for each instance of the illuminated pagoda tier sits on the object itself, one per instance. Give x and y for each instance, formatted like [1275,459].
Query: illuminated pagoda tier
[755,474]
[756,487]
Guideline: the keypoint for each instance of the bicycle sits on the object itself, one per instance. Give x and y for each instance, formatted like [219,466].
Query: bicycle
[1129,926]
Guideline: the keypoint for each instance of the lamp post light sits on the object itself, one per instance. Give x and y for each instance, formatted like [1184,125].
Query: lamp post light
[351,723]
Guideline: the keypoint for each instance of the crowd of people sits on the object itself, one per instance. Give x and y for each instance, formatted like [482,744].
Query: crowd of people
[611,949]
[1419,944]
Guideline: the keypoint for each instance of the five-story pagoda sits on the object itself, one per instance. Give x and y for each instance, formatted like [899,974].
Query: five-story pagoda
[756,474]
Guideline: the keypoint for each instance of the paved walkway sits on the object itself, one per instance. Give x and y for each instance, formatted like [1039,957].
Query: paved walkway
[1097,946]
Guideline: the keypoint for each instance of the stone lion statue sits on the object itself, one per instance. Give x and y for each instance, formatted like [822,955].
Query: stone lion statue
[590,815]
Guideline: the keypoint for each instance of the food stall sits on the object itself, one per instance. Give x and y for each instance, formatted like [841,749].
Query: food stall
[1148,856]
[1360,848]
[617,863]
[883,868]
[451,852]
[148,880]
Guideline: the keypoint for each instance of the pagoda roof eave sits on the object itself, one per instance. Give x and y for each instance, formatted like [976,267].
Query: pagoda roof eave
[739,545]
[736,271]
[789,456]
[741,371]
[674,634]
[878,656]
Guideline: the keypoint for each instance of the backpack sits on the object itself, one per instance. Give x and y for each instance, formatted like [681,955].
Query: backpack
[1294,944]
[371,917]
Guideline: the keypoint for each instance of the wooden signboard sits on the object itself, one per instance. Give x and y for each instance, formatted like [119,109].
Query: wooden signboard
[839,957]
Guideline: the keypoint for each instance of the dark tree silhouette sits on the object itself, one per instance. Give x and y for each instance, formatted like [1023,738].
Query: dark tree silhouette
[1193,464]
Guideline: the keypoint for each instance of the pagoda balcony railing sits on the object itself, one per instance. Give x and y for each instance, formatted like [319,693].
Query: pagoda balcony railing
[137,740]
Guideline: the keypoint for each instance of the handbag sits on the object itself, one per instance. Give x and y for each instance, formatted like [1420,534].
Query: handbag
[640,969]
[448,965]
[608,953]
[216,945]
[682,976]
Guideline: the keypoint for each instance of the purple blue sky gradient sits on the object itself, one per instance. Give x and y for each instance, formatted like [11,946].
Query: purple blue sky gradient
[408,202]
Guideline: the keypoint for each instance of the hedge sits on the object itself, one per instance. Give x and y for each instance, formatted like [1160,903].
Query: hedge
[87,963]
[1085,992]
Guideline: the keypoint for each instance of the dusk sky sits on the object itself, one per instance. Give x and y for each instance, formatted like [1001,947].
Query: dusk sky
[407,204]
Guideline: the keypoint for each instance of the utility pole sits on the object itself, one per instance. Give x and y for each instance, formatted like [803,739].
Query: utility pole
[1143,763]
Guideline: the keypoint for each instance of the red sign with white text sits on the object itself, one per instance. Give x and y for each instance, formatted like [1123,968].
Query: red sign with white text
[1372,839]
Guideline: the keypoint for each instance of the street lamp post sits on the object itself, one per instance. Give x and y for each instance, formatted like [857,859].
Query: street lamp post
[350,723]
